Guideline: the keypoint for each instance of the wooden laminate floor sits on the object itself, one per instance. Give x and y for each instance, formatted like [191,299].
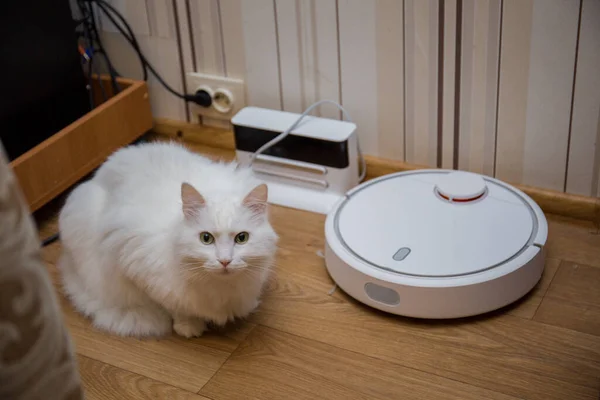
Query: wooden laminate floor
[303,343]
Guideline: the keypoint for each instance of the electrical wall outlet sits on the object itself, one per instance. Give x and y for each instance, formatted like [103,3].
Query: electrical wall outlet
[228,96]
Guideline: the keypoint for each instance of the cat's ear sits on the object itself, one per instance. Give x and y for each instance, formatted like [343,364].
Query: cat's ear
[191,200]
[256,200]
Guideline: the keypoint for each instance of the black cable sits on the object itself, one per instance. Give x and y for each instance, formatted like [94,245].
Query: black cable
[88,38]
[199,98]
[111,69]
[140,55]
[130,38]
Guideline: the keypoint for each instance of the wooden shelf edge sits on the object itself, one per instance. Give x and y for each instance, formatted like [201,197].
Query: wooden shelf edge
[551,202]
[60,161]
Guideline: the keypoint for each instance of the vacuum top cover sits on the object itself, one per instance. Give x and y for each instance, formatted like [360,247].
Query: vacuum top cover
[436,224]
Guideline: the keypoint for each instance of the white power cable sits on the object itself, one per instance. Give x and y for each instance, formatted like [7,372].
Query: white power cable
[279,138]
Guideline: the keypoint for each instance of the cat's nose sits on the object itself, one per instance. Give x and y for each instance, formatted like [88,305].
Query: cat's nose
[225,263]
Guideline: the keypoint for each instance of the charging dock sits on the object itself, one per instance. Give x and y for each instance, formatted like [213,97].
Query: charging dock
[311,169]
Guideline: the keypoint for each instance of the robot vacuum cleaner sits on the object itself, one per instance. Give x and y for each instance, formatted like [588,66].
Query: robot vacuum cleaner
[436,243]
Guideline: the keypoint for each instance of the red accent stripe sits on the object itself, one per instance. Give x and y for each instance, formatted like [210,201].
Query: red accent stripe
[460,200]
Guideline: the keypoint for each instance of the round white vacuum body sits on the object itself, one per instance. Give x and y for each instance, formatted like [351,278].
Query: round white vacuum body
[436,243]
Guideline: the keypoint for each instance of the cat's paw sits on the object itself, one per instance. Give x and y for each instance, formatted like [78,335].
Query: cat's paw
[189,327]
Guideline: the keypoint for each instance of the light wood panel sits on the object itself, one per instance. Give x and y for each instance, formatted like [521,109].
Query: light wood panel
[234,50]
[536,79]
[161,19]
[134,11]
[185,41]
[127,63]
[573,299]
[206,32]
[553,202]
[550,88]
[358,52]
[262,73]
[159,46]
[421,81]
[479,85]
[512,96]
[448,89]
[389,37]
[583,170]
[512,105]
[314,370]
[103,381]
[308,53]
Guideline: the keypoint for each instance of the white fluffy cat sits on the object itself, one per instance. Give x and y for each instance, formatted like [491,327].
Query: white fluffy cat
[163,238]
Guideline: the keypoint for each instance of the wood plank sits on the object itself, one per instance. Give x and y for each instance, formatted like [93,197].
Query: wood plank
[272,364]
[389,36]
[583,170]
[103,381]
[573,299]
[565,362]
[574,282]
[191,363]
[55,164]
[161,19]
[306,241]
[358,77]
[308,53]
[527,307]
[479,85]
[536,77]
[534,361]
[185,39]
[225,339]
[234,49]
[573,240]
[161,50]
[222,142]
[134,11]
[499,352]
[512,97]
[421,81]
[206,36]
[448,90]
[550,89]
[262,77]
[571,315]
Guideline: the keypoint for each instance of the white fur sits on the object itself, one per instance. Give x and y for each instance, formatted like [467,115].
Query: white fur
[134,263]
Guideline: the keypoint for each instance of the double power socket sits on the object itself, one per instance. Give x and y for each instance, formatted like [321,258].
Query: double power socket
[228,97]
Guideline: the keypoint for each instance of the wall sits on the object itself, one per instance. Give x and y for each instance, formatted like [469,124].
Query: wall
[509,88]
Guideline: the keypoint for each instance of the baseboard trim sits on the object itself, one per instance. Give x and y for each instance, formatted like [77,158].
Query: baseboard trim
[552,202]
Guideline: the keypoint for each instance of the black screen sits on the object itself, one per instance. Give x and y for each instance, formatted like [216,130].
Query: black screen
[43,85]
[298,148]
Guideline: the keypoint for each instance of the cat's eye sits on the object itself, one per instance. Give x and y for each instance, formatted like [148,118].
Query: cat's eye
[242,237]
[206,238]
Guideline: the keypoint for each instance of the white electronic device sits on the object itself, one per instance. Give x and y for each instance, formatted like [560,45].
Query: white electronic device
[311,168]
[436,243]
